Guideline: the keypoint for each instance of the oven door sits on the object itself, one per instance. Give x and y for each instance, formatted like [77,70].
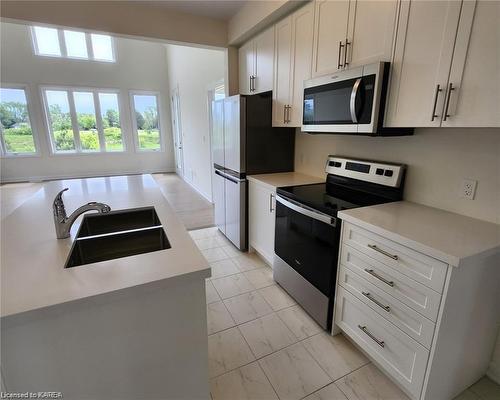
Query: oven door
[308,241]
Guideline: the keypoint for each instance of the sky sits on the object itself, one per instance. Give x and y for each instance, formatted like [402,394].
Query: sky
[16,95]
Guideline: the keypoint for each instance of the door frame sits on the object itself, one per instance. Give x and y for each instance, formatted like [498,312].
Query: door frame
[175,110]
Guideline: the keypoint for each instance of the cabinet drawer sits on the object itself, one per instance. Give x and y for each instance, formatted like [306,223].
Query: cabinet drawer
[405,318]
[420,267]
[399,355]
[415,295]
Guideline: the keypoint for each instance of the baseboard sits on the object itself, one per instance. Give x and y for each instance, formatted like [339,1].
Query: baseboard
[82,176]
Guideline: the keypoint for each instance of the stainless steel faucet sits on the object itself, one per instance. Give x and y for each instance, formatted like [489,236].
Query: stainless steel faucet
[63,223]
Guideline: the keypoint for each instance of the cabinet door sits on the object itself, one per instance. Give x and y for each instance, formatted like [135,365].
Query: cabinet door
[303,32]
[282,70]
[475,70]
[329,32]
[264,61]
[246,61]
[422,58]
[371,31]
[261,219]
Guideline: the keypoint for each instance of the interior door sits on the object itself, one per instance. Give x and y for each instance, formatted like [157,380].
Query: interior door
[329,31]
[371,31]
[219,201]
[303,32]
[282,68]
[234,158]
[218,132]
[475,70]
[422,58]
[177,131]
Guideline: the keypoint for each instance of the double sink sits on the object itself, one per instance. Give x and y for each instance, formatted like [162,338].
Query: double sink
[117,234]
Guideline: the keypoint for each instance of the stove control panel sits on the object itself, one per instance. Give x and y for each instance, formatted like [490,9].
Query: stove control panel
[382,173]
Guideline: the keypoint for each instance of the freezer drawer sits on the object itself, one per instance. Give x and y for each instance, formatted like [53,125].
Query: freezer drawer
[219,203]
[235,209]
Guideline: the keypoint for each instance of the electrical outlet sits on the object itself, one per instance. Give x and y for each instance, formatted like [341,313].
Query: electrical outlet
[468,190]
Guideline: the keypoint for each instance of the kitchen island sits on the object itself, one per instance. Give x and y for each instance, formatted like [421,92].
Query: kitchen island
[126,328]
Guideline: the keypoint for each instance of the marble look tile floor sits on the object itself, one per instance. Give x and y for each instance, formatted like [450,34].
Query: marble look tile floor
[262,345]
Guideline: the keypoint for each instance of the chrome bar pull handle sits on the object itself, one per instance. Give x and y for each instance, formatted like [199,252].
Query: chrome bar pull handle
[339,65]
[347,43]
[271,209]
[250,82]
[385,253]
[438,90]
[378,303]
[288,107]
[381,343]
[380,278]
[446,115]
[284,114]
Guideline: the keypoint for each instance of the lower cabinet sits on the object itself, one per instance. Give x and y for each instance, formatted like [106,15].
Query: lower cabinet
[261,219]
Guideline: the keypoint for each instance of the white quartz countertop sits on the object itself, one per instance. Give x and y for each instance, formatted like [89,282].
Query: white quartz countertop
[444,235]
[285,179]
[32,258]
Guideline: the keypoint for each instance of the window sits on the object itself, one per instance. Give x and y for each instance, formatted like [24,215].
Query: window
[54,42]
[86,120]
[15,127]
[146,121]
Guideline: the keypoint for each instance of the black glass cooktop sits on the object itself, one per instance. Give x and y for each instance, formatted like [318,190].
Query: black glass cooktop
[329,198]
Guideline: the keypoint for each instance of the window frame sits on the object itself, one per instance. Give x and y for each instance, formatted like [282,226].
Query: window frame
[63,49]
[135,132]
[34,132]
[74,124]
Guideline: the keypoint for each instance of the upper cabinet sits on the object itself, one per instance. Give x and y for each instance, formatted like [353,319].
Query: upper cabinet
[256,64]
[330,33]
[475,68]
[350,33]
[292,65]
[445,69]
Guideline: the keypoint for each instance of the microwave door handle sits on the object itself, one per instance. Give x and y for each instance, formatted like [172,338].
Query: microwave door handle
[354,94]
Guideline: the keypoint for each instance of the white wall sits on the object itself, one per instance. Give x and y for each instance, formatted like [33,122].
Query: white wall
[438,159]
[140,65]
[194,71]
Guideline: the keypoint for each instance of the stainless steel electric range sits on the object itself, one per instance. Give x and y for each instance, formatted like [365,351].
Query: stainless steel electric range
[308,230]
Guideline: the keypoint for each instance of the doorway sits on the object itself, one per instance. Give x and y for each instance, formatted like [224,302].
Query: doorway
[175,105]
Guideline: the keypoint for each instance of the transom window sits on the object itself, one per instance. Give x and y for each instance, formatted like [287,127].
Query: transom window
[83,120]
[16,134]
[146,121]
[55,42]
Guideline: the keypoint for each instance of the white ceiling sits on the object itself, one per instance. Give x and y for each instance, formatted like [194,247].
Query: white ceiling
[221,9]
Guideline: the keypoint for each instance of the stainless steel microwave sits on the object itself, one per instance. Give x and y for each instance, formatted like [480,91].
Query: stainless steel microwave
[350,101]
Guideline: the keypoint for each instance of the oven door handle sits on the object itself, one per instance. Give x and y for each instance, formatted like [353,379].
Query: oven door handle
[301,209]
[352,104]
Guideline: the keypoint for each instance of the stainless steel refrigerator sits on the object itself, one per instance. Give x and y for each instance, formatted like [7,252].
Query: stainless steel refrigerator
[244,143]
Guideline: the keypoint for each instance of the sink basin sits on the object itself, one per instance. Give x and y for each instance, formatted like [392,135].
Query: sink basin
[117,234]
[118,221]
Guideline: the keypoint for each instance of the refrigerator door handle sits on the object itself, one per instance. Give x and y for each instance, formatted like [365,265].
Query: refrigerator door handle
[229,177]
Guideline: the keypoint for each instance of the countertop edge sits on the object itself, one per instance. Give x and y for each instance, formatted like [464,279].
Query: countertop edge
[23,316]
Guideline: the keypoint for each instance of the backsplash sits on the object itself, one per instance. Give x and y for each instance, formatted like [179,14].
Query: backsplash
[437,159]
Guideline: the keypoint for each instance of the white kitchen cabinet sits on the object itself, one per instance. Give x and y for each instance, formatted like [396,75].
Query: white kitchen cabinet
[282,71]
[261,219]
[330,32]
[350,33]
[293,57]
[419,305]
[475,69]
[445,66]
[256,61]
[246,59]
[371,29]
